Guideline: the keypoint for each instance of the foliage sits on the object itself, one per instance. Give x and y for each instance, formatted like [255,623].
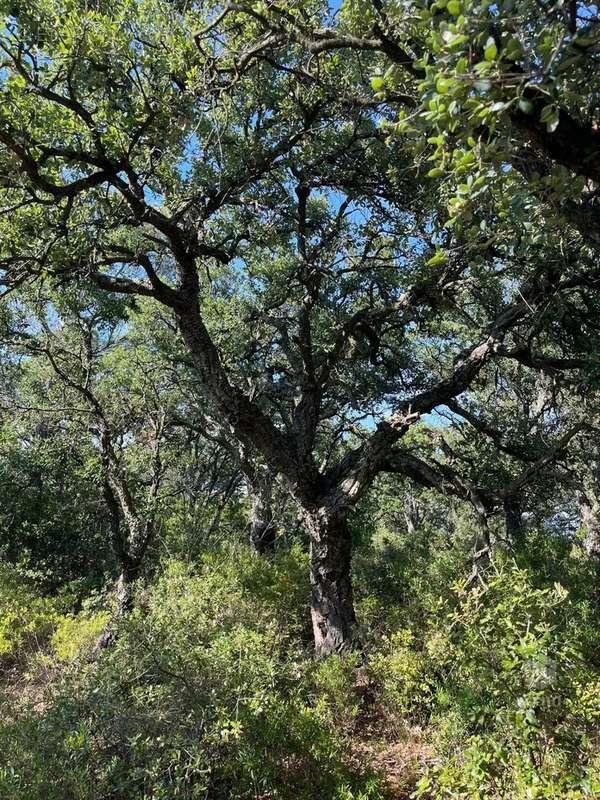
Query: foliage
[212,691]
[514,670]
[76,635]
[404,677]
[26,618]
[502,671]
[208,693]
[329,271]
[48,494]
[488,80]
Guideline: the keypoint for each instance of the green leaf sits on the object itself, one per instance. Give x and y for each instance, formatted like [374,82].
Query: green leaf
[526,106]
[457,40]
[443,85]
[491,50]
[550,115]
[441,257]
[483,85]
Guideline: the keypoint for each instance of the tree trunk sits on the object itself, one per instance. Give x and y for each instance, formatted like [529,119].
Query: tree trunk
[124,595]
[124,590]
[412,514]
[513,521]
[332,607]
[262,527]
[590,524]
[130,568]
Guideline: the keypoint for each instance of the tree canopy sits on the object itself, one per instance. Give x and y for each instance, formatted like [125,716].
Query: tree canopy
[279,255]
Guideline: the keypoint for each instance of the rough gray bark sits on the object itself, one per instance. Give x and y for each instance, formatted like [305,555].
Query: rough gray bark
[263,530]
[513,520]
[124,606]
[129,551]
[124,588]
[332,606]
[590,523]
[412,514]
[589,503]
[259,483]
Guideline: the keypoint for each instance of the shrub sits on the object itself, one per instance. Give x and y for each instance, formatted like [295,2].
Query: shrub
[338,698]
[514,673]
[26,618]
[76,634]
[402,671]
[212,690]
[209,693]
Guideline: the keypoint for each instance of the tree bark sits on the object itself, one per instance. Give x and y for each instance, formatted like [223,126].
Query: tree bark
[589,504]
[590,524]
[412,514]
[124,596]
[513,520]
[262,526]
[332,606]
[124,589]
[130,565]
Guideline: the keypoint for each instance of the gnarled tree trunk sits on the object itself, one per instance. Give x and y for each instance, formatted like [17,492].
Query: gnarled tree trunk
[259,482]
[332,606]
[263,530]
[124,588]
[124,596]
[590,524]
[129,551]
[513,521]
[589,504]
[412,513]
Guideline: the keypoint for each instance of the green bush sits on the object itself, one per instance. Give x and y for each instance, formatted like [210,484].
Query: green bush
[501,673]
[26,618]
[209,693]
[403,674]
[76,634]
[518,694]
[212,690]
[337,696]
